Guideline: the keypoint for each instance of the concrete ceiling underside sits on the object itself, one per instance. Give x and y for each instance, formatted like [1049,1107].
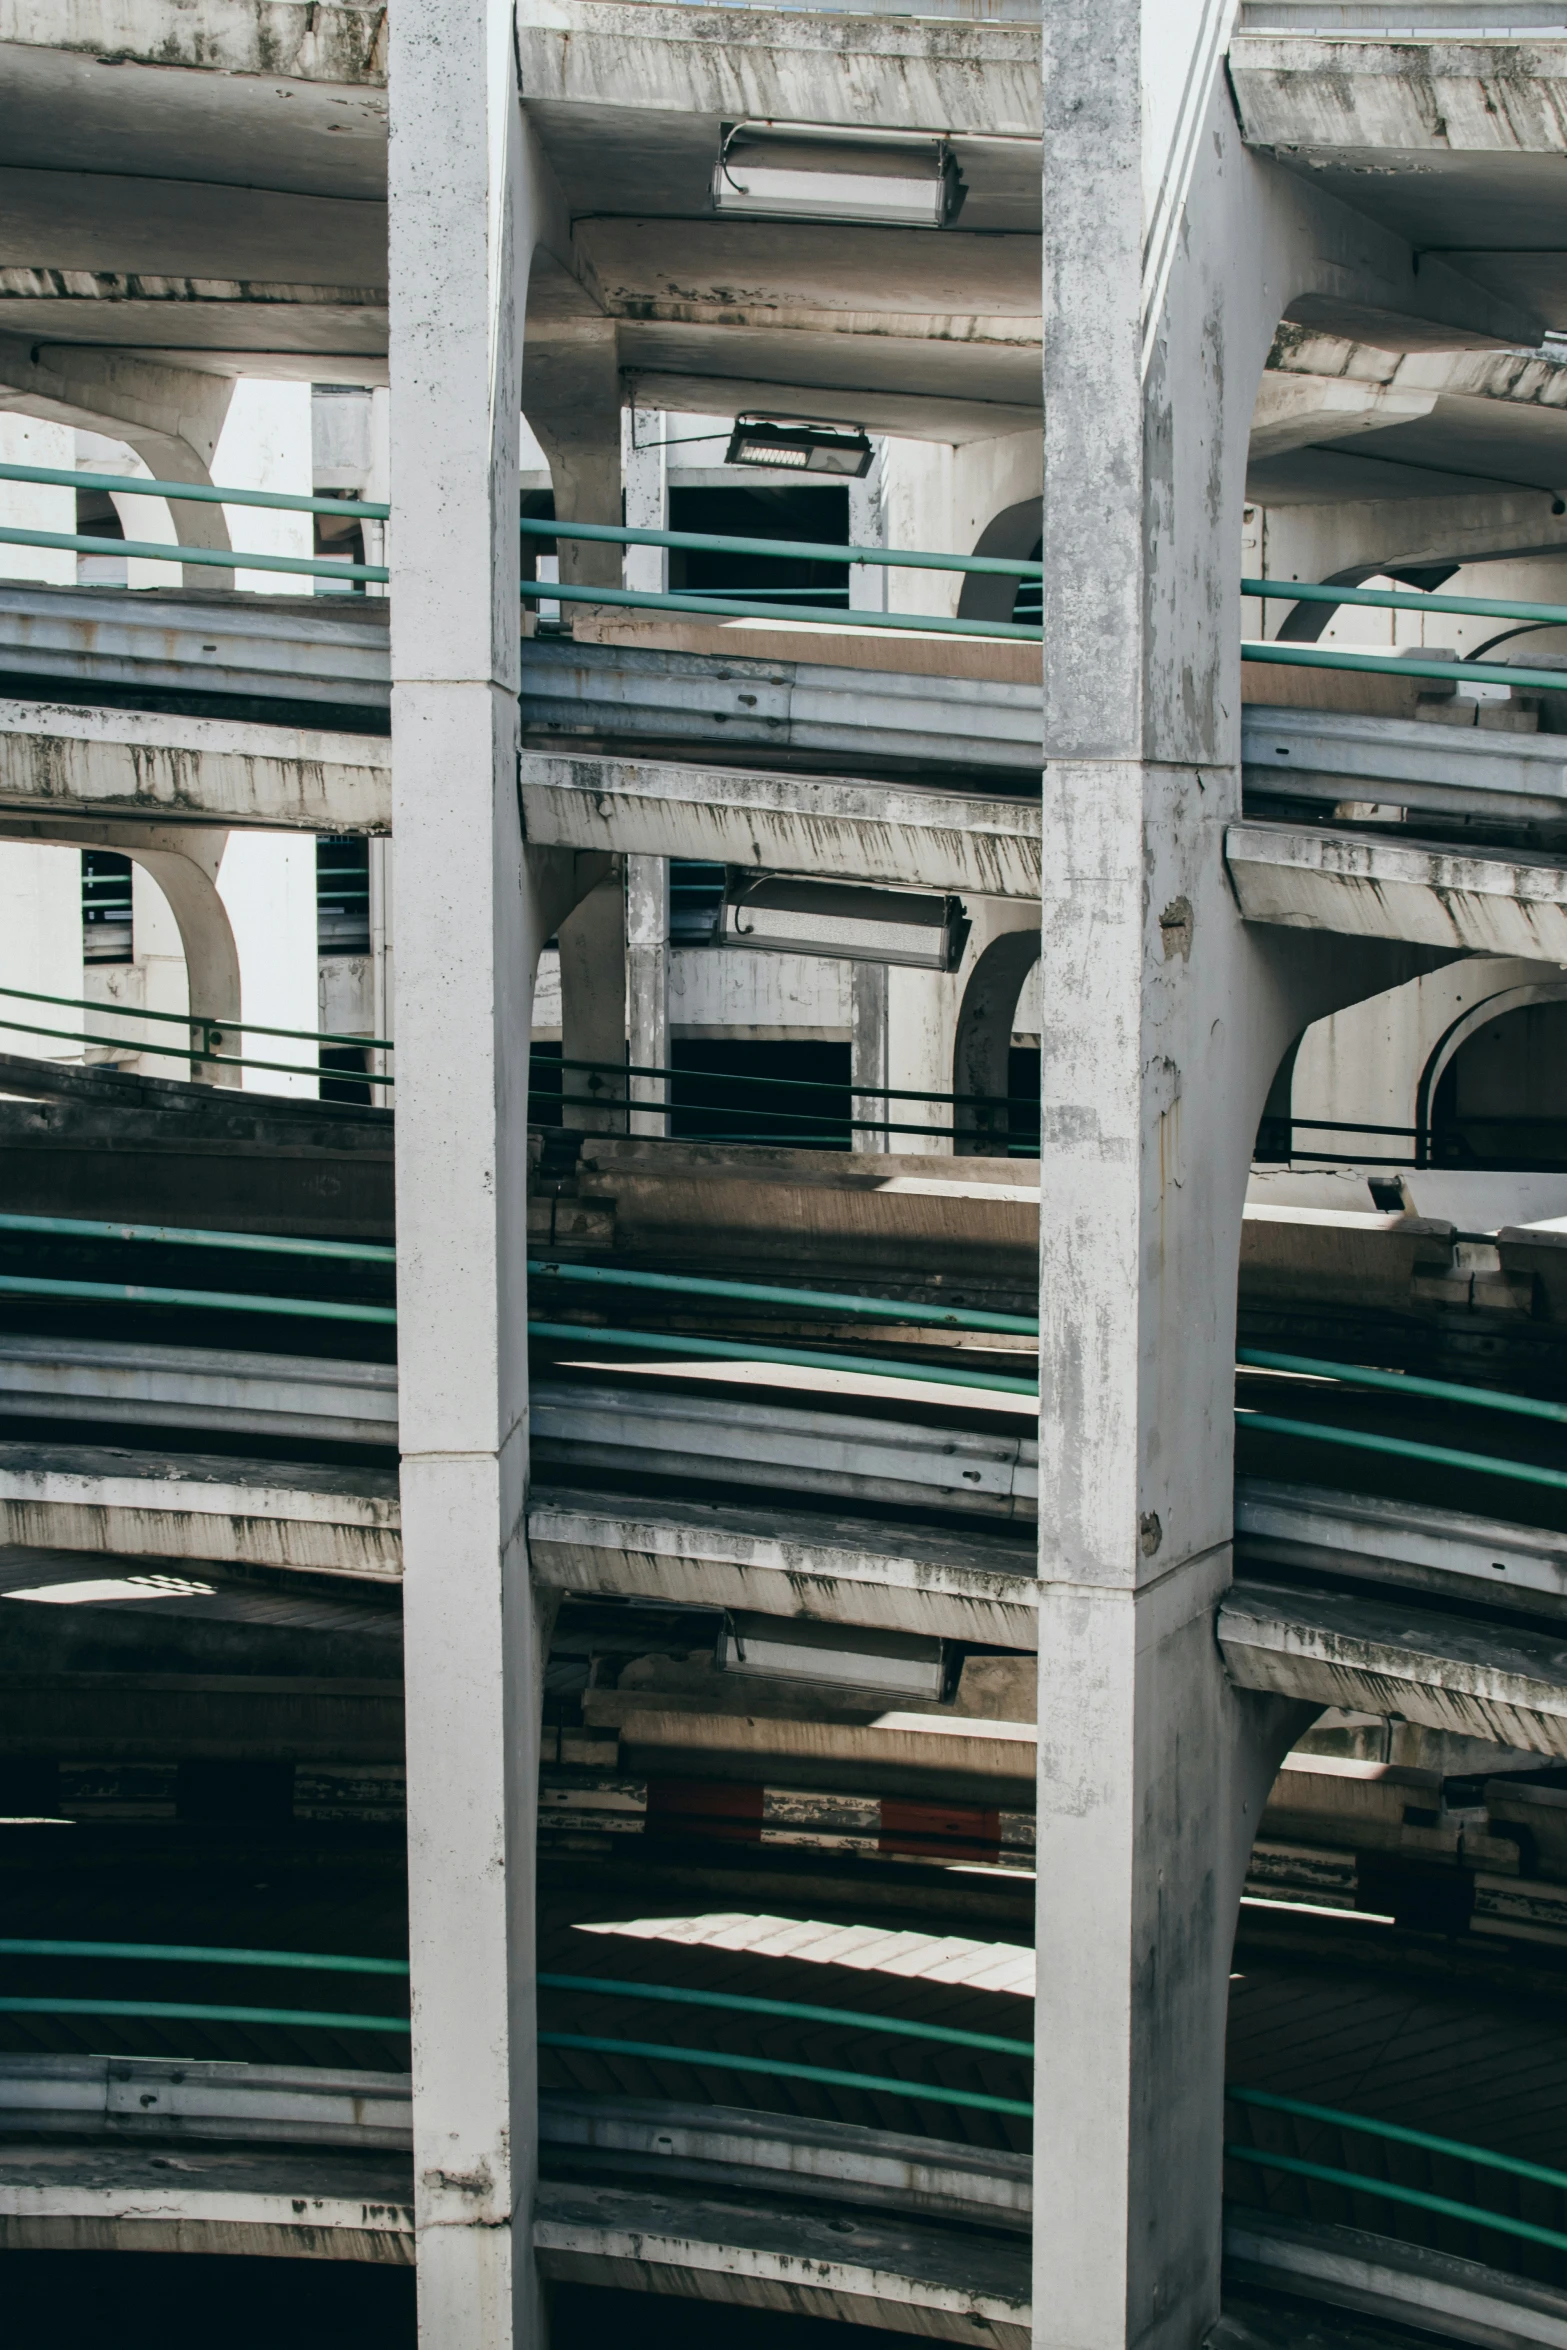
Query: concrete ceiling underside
[1463,445]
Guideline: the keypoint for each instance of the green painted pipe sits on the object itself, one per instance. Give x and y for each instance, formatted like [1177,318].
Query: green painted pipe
[809,550]
[184,2011]
[182,1236]
[728,609]
[86,1003]
[1532,1407]
[216,558]
[200,1953]
[1391,2194]
[792,2072]
[1275,591]
[1405,1448]
[215,1300]
[729,1351]
[765,1293]
[1400,2134]
[988,2041]
[200,493]
[1454,672]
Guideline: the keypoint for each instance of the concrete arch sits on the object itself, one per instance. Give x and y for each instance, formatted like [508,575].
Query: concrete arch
[184,862]
[1016,530]
[986,1018]
[1467,1025]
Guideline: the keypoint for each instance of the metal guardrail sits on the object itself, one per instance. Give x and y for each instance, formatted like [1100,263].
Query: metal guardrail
[206,1026]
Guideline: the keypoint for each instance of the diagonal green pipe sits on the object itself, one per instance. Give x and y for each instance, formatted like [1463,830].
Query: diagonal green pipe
[1533,1407]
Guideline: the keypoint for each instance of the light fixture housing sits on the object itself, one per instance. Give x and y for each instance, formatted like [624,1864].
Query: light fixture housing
[797,445]
[785,914]
[790,171]
[887,1665]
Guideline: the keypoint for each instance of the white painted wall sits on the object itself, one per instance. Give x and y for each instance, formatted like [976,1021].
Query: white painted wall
[267,882]
[941,497]
[265,444]
[26,505]
[40,944]
[40,888]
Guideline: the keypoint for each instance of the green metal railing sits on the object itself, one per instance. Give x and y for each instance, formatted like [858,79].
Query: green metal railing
[1306,656]
[1397,2134]
[1491,1399]
[201,1954]
[994,1106]
[770,1293]
[205,1026]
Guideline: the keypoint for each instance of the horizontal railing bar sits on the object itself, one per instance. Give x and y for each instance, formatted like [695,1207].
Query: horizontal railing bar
[1416,2196]
[798,550]
[742,2004]
[881,1093]
[193,1052]
[1400,2133]
[85,1003]
[1404,1448]
[1386,665]
[201,1953]
[793,2072]
[1532,1407]
[190,1236]
[732,609]
[203,1300]
[215,558]
[1275,591]
[767,1293]
[186,2011]
[197,493]
[731,1350]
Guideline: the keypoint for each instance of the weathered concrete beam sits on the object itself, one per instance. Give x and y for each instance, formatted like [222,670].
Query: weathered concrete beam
[782,65]
[946,2286]
[57,759]
[1368,887]
[1308,89]
[291,2204]
[902,835]
[227,1391]
[1409,2284]
[148,2097]
[1379,1657]
[328,1521]
[295,40]
[783,1563]
[1404,762]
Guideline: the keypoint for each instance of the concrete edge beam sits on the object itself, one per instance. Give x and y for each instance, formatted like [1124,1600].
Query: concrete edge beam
[1351,2268]
[1372,1656]
[1377,1540]
[708,1559]
[58,760]
[785,823]
[796,2262]
[166,1515]
[1366,887]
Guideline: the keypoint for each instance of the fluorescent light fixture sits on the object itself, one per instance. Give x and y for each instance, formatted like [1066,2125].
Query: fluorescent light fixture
[796,445]
[903,1664]
[847,921]
[776,171]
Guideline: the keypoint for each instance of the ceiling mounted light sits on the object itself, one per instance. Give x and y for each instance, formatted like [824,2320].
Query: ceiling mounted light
[785,915]
[796,445]
[882,1664]
[787,171]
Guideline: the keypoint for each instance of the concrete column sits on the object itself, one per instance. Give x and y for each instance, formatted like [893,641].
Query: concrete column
[572,398]
[382,961]
[868,1057]
[469,928]
[593,1009]
[644,464]
[1164,1020]
[647,988]
[868,528]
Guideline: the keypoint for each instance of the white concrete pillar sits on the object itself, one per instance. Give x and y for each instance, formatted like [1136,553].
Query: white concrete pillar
[41,948]
[645,470]
[265,445]
[868,528]
[647,989]
[868,1057]
[593,1010]
[468,935]
[267,882]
